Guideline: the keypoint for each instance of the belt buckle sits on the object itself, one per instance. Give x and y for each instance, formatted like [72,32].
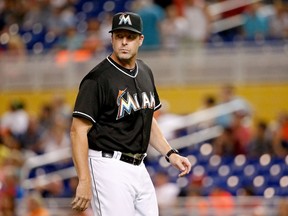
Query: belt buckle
[134,161]
[139,156]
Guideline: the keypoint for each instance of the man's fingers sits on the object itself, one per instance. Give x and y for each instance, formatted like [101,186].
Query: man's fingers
[80,204]
[184,167]
[184,172]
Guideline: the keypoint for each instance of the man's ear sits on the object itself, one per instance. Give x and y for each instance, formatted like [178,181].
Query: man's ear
[141,40]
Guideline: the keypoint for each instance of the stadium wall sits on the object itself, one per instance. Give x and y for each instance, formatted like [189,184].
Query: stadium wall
[266,99]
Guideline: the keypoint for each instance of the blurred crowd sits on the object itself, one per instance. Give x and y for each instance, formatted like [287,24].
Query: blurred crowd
[247,149]
[61,26]
[24,135]
[242,133]
[58,26]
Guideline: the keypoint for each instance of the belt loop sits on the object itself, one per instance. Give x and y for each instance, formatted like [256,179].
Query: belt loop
[117,155]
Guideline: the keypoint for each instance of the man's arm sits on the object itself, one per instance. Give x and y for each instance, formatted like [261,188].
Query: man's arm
[78,134]
[159,142]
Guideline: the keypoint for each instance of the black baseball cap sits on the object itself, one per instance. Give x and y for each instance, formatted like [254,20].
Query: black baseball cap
[127,21]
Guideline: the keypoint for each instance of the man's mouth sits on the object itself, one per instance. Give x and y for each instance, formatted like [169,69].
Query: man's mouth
[124,51]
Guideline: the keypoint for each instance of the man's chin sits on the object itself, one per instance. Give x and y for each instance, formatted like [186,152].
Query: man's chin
[125,57]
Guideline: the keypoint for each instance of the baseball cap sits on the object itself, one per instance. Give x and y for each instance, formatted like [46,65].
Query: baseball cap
[128,21]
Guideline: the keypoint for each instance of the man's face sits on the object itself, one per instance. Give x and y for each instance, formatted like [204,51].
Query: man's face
[126,44]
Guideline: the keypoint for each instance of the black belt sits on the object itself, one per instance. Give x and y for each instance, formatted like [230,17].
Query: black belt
[134,159]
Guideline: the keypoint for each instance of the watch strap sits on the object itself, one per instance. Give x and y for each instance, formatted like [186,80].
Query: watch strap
[171,151]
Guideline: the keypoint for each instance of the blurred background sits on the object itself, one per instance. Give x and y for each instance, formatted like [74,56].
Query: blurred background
[221,67]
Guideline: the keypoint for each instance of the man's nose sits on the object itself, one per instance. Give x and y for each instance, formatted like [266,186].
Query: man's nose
[124,41]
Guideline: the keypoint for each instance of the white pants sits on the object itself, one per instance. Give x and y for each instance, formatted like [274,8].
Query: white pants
[120,188]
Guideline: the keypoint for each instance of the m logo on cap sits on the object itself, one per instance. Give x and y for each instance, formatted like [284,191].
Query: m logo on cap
[125,20]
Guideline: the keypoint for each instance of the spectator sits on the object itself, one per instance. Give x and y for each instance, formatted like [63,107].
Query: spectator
[261,141]
[256,26]
[61,18]
[280,135]
[4,150]
[54,188]
[35,205]
[70,189]
[92,42]
[166,120]
[7,205]
[10,164]
[241,132]
[31,138]
[71,39]
[234,138]
[37,13]
[173,29]
[229,35]
[227,96]
[105,26]
[196,203]
[12,42]
[283,207]
[13,12]
[226,144]
[221,201]
[61,107]
[46,116]
[166,191]
[164,3]
[16,119]
[56,137]
[209,101]
[152,15]
[198,19]
[247,201]
[279,23]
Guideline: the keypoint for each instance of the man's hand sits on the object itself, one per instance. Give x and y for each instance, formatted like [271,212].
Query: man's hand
[181,163]
[83,196]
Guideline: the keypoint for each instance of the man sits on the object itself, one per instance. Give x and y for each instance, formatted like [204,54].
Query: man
[111,127]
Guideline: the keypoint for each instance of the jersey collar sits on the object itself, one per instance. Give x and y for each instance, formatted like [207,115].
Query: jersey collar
[121,69]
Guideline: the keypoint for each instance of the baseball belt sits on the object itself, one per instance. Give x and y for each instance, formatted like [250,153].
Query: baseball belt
[130,158]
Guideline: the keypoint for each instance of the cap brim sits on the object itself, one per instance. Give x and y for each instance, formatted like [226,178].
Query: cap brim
[125,28]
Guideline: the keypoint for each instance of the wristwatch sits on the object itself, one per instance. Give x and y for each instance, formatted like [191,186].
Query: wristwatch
[172,151]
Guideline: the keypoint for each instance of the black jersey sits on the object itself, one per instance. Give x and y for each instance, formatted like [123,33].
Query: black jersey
[120,105]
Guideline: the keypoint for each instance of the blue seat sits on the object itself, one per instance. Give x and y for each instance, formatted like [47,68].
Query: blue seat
[234,183]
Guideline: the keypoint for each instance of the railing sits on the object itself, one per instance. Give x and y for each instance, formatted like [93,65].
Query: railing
[181,142]
[230,22]
[42,160]
[188,206]
[237,64]
[224,206]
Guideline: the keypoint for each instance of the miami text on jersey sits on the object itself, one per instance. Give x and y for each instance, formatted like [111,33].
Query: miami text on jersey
[131,102]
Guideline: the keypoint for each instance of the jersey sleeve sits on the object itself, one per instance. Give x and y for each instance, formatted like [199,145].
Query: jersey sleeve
[157,100]
[156,96]
[88,101]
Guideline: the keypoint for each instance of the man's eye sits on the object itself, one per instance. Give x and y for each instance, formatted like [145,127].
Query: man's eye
[132,37]
[129,36]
